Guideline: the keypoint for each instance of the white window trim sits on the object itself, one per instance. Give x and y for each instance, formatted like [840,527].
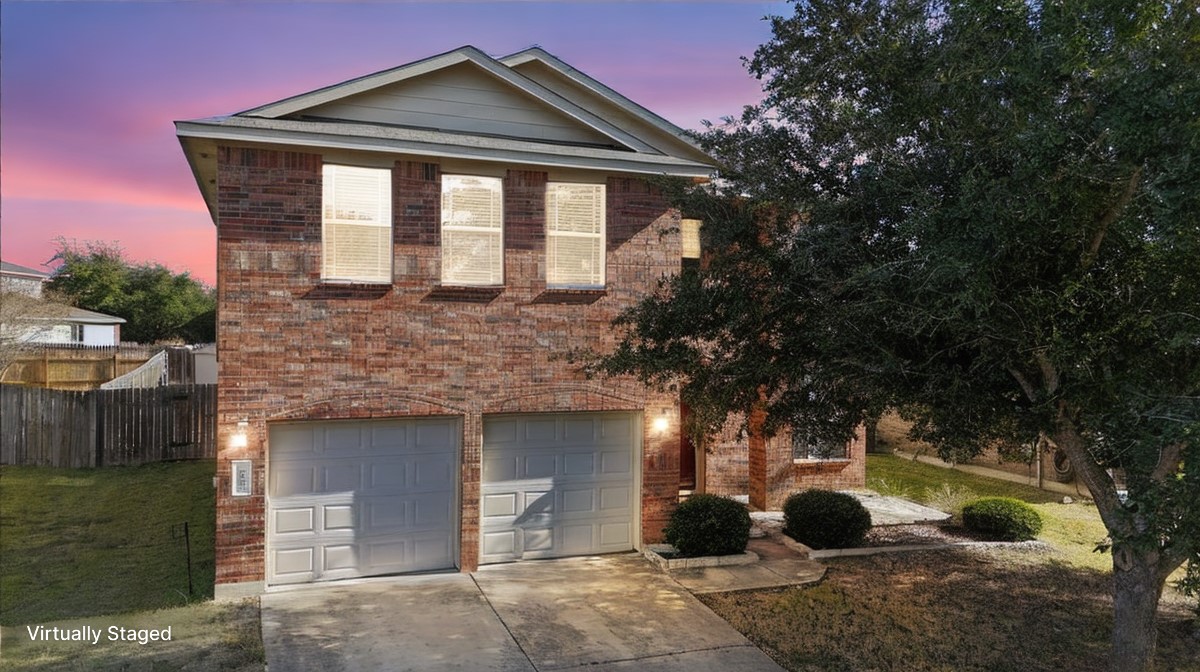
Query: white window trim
[496,234]
[600,238]
[329,268]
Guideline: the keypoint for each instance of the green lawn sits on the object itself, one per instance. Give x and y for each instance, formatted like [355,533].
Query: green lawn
[104,548]
[84,542]
[1073,529]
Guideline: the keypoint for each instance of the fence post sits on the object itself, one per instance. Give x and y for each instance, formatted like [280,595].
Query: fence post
[93,419]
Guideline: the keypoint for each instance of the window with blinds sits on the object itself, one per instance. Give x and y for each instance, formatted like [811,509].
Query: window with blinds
[472,230]
[574,235]
[356,224]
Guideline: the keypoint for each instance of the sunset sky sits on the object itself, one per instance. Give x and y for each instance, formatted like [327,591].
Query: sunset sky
[89,91]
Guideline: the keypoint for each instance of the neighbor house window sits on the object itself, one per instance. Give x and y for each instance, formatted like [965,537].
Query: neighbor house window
[356,224]
[807,447]
[574,235]
[472,230]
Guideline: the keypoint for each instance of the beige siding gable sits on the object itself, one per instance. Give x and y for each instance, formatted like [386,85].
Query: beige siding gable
[462,98]
[575,90]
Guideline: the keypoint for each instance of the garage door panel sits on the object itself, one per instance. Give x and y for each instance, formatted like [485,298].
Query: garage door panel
[386,475]
[497,469]
[436,434]
[395,438]
[339,517]
[539,466]
[341,477]
[579,464]
[538,432]
[342,438]
[360,499]
[570,492]
[339,557]
[613,501]
[615,534]
[295,520]
[293,480]
[434,472]
[295,563]
[502,543]
[578,501]
[430,511]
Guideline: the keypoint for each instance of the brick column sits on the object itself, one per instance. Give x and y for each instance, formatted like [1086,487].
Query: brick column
[757,446]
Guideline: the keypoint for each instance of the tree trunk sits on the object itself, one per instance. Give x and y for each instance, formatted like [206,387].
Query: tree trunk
[1136,591]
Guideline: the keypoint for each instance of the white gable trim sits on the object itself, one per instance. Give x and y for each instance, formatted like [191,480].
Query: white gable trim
[597,87]
[469,54]
[411,142]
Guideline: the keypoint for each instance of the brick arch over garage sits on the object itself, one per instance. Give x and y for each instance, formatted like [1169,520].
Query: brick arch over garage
[368,405]
[565,397]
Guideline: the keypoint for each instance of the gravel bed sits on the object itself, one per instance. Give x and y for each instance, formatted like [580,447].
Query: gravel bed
[906,535]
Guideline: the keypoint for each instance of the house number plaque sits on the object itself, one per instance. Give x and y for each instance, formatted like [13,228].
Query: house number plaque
[242,485]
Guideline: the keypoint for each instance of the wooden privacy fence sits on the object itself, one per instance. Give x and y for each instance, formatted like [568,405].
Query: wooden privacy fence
[100,428]
[83,367]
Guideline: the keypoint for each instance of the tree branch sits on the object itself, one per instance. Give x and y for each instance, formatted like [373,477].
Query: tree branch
[1168,462]
[1030,391]
[1109,217]
[1049,373]
[1098,482]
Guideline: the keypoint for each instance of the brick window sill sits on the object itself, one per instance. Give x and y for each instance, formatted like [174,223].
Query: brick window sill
[805,466]
[570,296]
[348,290]
[463,294]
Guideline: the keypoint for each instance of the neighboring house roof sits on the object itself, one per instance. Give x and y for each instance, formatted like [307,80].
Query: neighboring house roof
[7,268]
[528,108]
[72,315]
[81,316]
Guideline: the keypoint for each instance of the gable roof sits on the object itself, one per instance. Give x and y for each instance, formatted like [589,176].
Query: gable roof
[461,104]
[587,84]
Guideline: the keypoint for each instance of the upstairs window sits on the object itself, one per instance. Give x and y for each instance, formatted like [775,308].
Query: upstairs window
[472,230]
[574,235]
[356,224]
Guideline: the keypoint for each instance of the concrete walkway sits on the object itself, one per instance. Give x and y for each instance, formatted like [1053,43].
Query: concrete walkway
[604,613]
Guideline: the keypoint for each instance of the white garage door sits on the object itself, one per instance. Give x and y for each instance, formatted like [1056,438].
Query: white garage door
[361,498]
[556,485]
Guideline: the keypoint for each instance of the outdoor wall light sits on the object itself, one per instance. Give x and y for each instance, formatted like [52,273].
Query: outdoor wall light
[662,422]
[238,438]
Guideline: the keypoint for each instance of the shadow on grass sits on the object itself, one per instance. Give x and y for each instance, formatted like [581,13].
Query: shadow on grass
[948,610]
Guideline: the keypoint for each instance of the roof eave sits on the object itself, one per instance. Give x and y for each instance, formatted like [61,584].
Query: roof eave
[515,152]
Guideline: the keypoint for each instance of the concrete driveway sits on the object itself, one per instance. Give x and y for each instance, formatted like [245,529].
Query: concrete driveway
[604,613]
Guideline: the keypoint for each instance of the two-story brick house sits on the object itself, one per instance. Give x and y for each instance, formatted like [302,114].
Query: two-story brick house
[405,260]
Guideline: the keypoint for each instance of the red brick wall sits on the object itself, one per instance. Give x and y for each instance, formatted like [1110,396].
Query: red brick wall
[291,348]
[728,473]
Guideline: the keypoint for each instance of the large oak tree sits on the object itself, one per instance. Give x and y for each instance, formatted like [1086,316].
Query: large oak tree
[983,214]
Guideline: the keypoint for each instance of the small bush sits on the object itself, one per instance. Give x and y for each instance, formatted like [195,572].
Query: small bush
[1002,518]
[824,519]
[708,525]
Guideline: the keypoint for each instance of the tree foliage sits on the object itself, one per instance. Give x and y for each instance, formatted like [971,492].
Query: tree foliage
[985,215]
[158,305]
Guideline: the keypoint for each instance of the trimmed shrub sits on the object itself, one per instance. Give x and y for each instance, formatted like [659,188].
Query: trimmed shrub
[1002,518]
[706,524]
[825,519]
